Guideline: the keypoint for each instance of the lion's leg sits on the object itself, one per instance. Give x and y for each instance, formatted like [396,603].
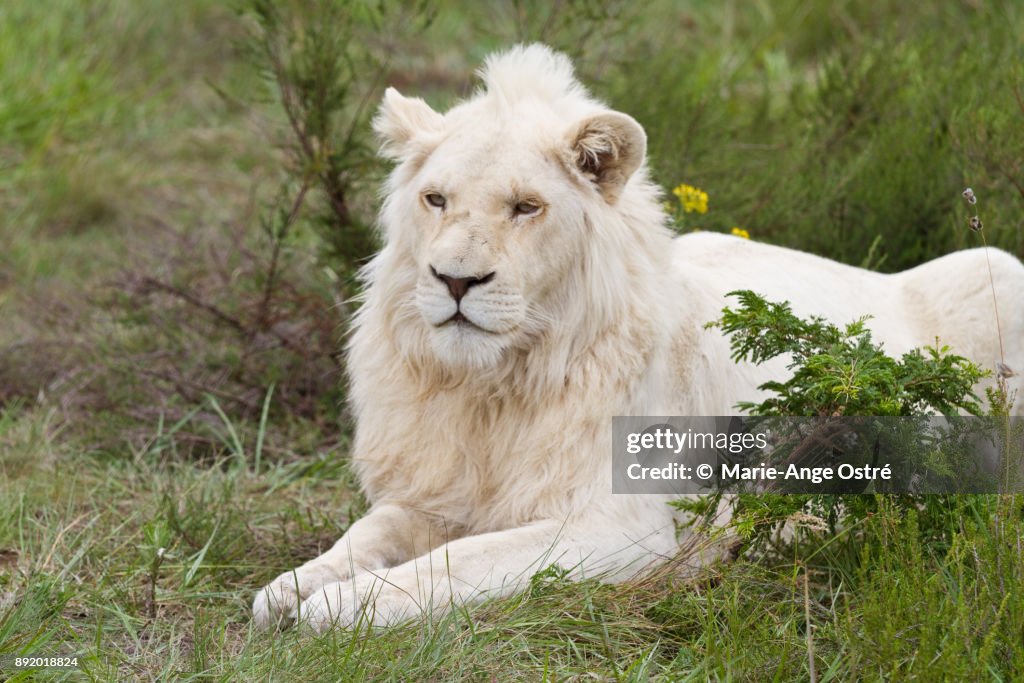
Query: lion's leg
[486,565]
[386,536]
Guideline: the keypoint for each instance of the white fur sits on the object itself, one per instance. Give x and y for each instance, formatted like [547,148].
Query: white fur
[486,450]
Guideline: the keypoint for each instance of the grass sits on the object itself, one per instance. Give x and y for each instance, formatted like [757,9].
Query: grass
[138,155]
[80,550]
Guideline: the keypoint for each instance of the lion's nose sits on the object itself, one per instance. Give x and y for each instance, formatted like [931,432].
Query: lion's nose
[458,286]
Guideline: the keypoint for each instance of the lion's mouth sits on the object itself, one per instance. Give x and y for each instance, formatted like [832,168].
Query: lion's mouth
[460,320]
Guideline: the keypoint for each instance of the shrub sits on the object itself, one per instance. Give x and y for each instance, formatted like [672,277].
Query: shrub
[839,371]
[863,128]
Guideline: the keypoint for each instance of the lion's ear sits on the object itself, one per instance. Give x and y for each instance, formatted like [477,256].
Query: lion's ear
[400,120]
[608,149]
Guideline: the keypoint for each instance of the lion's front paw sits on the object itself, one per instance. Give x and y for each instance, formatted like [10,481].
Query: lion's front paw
[276,604]
[345,604]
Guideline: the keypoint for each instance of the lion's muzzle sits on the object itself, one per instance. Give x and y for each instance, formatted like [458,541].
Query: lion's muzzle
[459,286]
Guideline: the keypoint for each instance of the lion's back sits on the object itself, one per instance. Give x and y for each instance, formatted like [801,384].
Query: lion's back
[949,298]
[813,285]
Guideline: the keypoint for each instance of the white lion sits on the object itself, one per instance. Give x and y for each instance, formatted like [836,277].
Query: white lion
[528,291]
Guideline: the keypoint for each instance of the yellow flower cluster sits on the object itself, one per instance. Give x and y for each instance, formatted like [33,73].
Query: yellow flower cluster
[692,198]
[740,232]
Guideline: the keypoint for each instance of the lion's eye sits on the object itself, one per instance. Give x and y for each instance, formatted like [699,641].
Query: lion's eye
[526,209]
[434,199]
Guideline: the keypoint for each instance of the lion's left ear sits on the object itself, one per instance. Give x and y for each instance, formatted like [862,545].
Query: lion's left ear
[400,120]
[608,148]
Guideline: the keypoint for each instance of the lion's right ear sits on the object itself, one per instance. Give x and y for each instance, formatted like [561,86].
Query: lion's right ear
[400,120]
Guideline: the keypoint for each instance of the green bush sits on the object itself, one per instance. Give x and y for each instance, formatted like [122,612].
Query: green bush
[840,372]
[827,127]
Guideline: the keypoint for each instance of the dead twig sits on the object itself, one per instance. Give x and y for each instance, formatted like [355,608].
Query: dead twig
[279,237]
[190,298]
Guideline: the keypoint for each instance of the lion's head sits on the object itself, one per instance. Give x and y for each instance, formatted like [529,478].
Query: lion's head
[496,203]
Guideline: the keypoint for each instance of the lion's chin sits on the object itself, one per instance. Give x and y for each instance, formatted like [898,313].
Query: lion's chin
[461,344]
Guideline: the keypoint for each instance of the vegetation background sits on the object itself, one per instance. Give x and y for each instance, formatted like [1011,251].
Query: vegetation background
[185,191]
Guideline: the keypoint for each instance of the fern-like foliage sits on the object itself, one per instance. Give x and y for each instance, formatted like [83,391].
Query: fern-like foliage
[841,370]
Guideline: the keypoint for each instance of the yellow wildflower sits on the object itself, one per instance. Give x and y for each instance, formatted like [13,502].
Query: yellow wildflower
[740,232]
[691,198]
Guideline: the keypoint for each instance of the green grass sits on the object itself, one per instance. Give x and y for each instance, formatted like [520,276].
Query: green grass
[80,536]
[825,126]
[137,141]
